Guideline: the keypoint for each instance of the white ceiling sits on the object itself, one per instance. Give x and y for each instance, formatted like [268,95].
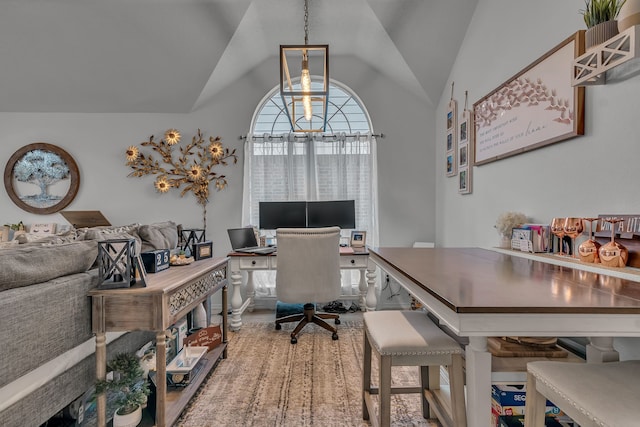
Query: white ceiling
[170,56]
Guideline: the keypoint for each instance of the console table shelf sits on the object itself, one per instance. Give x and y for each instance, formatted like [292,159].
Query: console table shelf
[167,297]
[178,397]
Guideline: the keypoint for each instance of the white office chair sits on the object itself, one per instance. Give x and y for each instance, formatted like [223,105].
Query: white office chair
[308,271]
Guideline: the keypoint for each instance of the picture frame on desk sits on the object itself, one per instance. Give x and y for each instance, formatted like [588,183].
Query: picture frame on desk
[358,239]
[202,250]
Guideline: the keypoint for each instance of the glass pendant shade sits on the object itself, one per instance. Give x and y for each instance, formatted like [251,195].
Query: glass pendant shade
[305,90]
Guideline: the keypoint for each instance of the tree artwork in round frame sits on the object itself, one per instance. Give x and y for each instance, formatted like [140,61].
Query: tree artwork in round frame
[41,178]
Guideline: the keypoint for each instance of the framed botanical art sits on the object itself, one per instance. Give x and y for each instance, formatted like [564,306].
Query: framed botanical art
[536,107]
[452,146]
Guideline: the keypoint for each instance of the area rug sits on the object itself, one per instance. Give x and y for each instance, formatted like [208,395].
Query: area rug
[267,381]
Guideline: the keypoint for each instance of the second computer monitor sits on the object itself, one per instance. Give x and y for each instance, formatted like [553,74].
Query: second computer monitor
[275,215]
[341,213]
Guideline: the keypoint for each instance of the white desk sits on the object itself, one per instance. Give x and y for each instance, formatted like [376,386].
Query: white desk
[481,293]
[349,260]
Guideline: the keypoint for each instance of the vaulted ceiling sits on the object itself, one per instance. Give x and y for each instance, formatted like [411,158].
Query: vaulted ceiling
[168,56]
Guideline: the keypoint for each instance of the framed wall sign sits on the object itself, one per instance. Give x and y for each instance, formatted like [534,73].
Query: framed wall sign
[536,107]
[41,178]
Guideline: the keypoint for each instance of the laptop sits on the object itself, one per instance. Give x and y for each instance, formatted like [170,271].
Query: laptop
[243,240]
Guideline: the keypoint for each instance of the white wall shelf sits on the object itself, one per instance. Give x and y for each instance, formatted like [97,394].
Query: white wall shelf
[593,67]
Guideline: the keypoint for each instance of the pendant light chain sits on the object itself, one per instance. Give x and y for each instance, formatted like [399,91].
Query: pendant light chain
[306,22]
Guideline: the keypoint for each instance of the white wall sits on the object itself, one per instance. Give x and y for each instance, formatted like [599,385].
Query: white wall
[97,142]
[585,176]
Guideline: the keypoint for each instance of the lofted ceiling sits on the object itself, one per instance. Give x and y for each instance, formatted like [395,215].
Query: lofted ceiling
[171,56]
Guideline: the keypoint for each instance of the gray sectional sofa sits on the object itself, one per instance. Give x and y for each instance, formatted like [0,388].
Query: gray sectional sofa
[46,344]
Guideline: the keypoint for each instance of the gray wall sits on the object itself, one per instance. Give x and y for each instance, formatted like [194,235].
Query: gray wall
[98,141]
[585,176]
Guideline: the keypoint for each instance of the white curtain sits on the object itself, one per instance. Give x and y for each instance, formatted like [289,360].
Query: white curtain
[312,167]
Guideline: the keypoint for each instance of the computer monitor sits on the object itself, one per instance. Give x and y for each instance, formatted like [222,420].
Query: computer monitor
[274,215]
[341,213]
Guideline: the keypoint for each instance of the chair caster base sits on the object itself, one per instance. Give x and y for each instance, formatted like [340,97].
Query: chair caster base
[294,340]
[278,326]
[337,321]
[334,336]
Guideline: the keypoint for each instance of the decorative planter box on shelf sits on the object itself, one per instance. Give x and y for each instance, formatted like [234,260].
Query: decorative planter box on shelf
[590,68]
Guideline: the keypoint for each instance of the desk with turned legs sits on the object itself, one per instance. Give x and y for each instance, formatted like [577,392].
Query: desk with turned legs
[350,259]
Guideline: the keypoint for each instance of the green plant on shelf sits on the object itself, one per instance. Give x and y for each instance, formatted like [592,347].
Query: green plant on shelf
[129,385]
[599,11]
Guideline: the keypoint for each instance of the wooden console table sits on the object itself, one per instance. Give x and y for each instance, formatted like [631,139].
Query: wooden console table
[168,296]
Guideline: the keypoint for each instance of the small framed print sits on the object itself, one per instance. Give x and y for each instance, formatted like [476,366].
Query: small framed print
[462,156]
[202,250]
[463,179]
[451,166]
[358,239]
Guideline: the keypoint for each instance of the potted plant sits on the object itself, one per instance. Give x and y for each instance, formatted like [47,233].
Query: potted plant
[600,18]
[129,386]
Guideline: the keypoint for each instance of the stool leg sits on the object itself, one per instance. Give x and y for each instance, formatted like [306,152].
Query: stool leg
[424,384]
[385,391]
[456,383]
[366,375]
[534,404]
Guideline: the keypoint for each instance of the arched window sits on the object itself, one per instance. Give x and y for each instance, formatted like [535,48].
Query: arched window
[339,164]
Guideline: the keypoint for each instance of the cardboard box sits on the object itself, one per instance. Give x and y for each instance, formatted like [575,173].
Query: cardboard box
[509,400]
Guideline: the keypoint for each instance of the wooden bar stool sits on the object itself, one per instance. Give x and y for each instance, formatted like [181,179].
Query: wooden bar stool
[592,394]
[404,338]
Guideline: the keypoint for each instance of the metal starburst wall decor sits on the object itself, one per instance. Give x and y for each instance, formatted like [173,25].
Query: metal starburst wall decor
[192,171]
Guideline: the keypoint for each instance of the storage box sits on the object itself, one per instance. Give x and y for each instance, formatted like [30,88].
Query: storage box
[509,400]
[155,261]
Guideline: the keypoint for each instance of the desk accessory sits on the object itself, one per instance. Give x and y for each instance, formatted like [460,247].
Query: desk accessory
[156,260]
[358,239]
[202,250]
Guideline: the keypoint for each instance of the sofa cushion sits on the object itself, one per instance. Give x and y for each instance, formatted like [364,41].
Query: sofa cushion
[51,239]
[29,264]
[160,235]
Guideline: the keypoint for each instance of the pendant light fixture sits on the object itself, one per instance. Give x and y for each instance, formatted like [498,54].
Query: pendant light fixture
[305,97]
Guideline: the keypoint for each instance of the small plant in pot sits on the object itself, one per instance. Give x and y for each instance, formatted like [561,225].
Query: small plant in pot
[129,387]
[600,18]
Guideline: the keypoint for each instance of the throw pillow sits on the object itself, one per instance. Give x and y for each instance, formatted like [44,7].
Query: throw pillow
[28,265]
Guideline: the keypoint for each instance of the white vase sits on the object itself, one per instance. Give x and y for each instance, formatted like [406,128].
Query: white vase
[629,15]
[200,317]
[129,420]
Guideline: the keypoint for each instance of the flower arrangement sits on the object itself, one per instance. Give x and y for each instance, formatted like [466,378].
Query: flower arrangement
[192,170]
[507,221]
